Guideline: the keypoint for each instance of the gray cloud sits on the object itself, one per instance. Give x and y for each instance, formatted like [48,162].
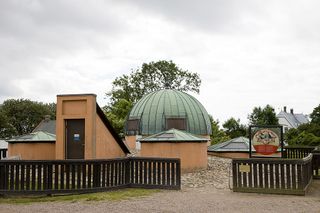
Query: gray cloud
[247,52]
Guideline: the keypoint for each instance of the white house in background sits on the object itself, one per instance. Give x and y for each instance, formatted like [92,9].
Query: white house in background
[3,144]
[291,120]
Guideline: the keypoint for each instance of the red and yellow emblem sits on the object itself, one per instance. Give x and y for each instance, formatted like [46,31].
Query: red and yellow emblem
[265,142]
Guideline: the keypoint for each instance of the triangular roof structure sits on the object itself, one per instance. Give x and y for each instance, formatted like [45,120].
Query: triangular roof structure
[34,137]
[173,135]
[240,144]
[46,125]
[293,119]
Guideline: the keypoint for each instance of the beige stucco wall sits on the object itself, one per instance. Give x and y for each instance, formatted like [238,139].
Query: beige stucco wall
[106,145]
[76,107]
[99,143]
[32,151]
[131,141]
[193,156]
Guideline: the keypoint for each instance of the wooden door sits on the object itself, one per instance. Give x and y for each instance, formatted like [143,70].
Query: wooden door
[75,138]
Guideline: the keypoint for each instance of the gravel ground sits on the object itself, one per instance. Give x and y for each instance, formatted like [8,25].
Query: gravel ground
[205,191]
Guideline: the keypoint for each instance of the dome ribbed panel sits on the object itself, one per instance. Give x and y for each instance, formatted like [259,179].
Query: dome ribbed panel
[154,108]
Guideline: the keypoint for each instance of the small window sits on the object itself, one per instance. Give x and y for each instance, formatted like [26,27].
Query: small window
[176,123]
[133,125]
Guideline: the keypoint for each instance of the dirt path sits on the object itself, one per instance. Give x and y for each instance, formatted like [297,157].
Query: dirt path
[201,192]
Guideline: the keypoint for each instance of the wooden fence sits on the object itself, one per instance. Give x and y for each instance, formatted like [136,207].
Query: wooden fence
[279,176]
[297,151]
[3,153]
[79,176]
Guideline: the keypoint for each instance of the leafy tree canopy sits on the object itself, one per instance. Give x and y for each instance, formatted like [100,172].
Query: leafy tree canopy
[234,129]
[20,116]
[153,76]
[218,135]
[315,115]
[263,116]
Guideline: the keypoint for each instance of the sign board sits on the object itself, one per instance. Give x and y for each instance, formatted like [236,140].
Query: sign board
[244,168]
[266,141]
[76,137]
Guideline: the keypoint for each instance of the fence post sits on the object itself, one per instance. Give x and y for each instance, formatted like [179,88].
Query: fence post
[2,177]
[127,171]
[178,174]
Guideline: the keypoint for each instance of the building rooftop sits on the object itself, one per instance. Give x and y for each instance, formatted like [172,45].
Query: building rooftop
[165,109]
[293,119]
[173,135]
[34,136]
[240,144]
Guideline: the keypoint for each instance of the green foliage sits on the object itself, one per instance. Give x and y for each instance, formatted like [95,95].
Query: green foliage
[20,116]
[6,129]
[218,135]
[263,116]
[153,76]
[116,195]
[315,115]
[117,114]
[305,134]
[234,129]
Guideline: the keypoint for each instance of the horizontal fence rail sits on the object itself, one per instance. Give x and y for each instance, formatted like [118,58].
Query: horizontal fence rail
[297,152]
[279,176]
[3,153]
[79,176]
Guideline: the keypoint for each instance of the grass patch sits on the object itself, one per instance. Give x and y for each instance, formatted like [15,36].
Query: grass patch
[116,195]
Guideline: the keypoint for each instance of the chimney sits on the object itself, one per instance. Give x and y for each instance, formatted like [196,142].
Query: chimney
[291,111]
[285,108]
[47,117]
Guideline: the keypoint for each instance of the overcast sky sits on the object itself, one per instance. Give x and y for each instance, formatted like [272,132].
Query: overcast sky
[248,53]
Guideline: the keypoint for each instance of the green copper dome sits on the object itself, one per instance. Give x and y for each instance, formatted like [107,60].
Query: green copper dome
[166,109]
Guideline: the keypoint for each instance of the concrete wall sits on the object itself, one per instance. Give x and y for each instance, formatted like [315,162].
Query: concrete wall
[193,156]
[106,145]
[32,151]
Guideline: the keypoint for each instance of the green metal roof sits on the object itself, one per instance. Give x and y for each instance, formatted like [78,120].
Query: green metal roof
[34,136]
[153,109]
[173,135]
[240,144]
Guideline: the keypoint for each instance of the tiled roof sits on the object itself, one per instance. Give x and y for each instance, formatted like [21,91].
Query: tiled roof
[46,126]
[293,119]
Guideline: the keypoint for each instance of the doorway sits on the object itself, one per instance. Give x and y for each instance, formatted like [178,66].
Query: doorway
[75,136]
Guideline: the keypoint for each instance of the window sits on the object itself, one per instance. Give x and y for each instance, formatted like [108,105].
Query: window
[133,125]
[176,123]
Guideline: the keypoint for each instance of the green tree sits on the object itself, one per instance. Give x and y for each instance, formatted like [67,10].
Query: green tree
[117,114]
[218,135]
[6,129]
[263,116]
[23,115]
[234,129]
[315,115]
[128,89]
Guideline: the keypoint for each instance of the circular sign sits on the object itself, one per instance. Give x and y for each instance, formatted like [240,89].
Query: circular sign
[265,142]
